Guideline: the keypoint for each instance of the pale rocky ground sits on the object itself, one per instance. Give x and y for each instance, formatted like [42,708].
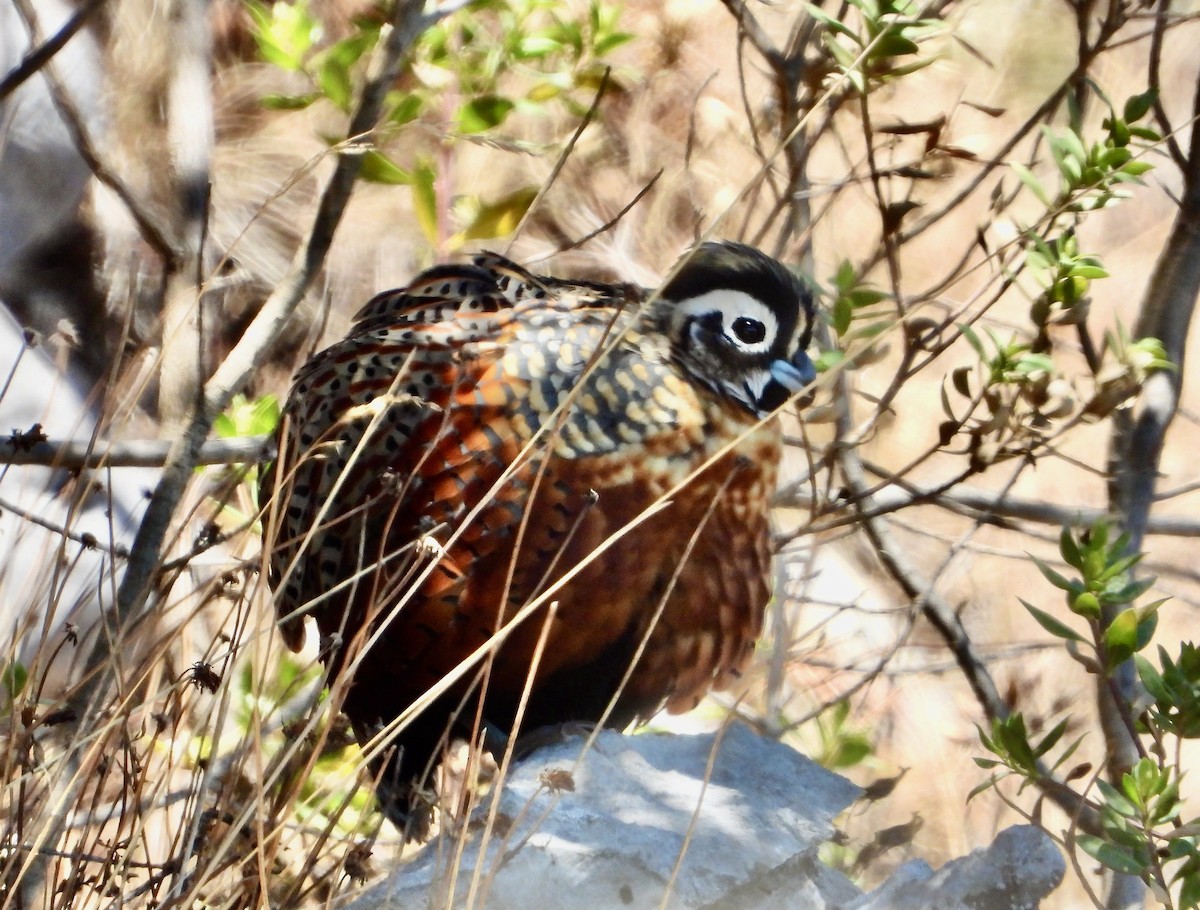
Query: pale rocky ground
[653,821]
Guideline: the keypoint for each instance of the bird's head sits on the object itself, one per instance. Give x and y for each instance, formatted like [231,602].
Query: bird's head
[739,323]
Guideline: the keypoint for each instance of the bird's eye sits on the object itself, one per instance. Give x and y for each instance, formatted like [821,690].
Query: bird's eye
[748,331]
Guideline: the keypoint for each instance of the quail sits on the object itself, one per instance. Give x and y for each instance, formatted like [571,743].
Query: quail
[499,465]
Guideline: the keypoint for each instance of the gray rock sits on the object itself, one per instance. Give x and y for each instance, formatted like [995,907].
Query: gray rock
[1020,868]
[615,841]
[748,838]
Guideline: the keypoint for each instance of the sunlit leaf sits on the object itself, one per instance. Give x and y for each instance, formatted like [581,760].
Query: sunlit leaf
[500,218]
[1027,177]
[284,33]
[405,108]
[1120,638]
[424,197]
[1052,625]
[483,113]
[840,315]
[1110,855]
[830,22]
[378,168]
[1054,577]
[277,102]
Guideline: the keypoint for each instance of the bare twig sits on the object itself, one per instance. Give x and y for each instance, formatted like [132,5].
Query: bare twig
[984,503]
[76,454]
[191,135]
[608,225]
[42,54]
[149,225]
[1154,83]
[84,539]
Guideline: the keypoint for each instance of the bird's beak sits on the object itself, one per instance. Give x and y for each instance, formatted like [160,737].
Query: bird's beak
[794,374]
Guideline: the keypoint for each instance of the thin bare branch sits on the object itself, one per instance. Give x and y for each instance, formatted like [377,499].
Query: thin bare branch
[1153,67]
[44,52]
[75,454]
[1000,509]
[148,224]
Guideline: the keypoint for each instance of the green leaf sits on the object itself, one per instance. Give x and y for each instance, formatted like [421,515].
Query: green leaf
[861,298]
[1054,577]
[276,102]
[483,113]
[405,108]
[1051,739]
[1086,604]
[1069,549]
[1147,624]
[13,677]
[1151,679]
[224,426]
[612,42]
[972,339]
[263,417]
[1052,625]
[845,277]
[1073,148]
[851,748]
[829,359]
[1027,177]
[840,315]
[830,22]
[1120,638]
[334,69]
[1189,891]
[1110,855]
[536,45]
[1013,738]
[543,92]
[1137,106]
[981,788]
[334,80]
[378,168]
[424,196]
[284,32]
[1115,157]
[1116,800]
[500,218]
[1069,751]
[894,45]
[1121,591]
[1035,363]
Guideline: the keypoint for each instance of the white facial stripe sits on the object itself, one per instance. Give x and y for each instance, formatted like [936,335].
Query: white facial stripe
[731,305]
